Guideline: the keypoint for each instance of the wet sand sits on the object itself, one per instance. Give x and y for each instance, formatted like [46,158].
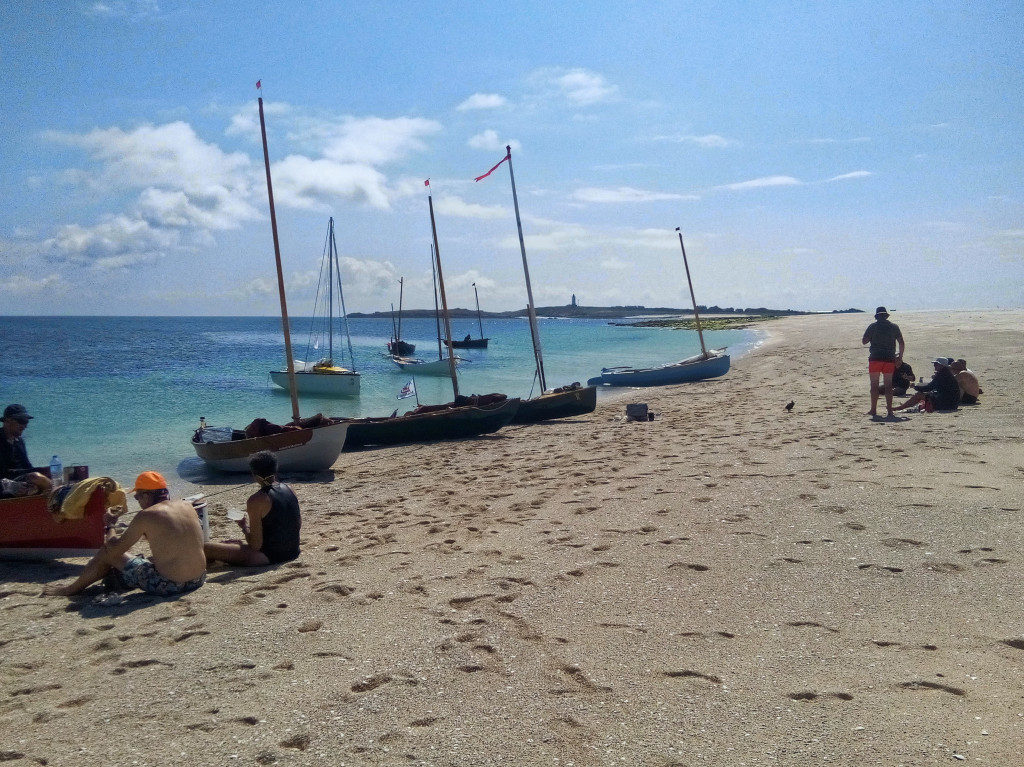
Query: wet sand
[730,584]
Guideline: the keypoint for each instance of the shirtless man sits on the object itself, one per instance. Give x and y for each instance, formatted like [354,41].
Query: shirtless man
[970,387]
[176,564]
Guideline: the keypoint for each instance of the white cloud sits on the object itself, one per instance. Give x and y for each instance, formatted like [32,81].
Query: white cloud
[579,86]
[312,184]
[707,141]
[26,285]
[369,140]
[131,9]
[115,242]
[625,194]
[457,207]
[482,101]
[854,174]
[758,183]
[490,141]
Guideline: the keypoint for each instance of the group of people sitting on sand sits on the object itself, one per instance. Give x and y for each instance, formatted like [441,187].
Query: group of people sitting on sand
[952,384]
[179,556]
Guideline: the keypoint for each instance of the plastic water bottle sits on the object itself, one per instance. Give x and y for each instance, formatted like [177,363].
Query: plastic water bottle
[56,471]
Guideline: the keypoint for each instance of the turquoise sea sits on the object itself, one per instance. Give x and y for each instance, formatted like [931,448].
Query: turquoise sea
[123,394]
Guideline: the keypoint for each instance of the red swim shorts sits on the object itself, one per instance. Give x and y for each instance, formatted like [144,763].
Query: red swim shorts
[881,366]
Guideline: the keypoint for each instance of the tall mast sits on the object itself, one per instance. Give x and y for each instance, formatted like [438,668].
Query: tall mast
[437,311]
[341,296]
[401,286]
[330,289]
[696,315]
[444,300]
[538,356]
[480,322]
[280,273]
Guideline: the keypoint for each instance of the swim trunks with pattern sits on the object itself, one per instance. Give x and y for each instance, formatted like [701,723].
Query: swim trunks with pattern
[140,573]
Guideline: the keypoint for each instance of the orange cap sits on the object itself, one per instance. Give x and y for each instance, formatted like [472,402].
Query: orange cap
[149,480]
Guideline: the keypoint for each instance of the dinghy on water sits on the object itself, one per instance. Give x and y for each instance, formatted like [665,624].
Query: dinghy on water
[323,377]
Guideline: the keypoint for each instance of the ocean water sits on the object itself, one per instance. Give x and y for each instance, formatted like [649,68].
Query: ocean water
[123,394]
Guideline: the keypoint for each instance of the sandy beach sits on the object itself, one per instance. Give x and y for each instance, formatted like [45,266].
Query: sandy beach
[730,584]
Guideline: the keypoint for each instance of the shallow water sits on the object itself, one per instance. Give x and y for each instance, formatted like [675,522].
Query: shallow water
[123,394]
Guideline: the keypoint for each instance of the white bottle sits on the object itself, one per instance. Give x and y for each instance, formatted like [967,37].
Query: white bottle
[56,471]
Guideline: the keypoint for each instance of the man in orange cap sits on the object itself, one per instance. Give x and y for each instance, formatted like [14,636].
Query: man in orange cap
[176,564]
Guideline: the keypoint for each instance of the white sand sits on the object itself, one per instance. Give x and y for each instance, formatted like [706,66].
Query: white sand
[730,584]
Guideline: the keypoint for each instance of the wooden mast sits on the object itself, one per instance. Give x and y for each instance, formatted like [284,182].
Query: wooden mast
[479,321]
[280,274]
[538,356]
[693,300]
[341,297]
[444,300]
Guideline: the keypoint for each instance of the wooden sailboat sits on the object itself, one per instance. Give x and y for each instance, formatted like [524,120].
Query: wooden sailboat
[396,346]
[565,401]
[438,367]
[322,377]
[469,342]
[708,364]
[462,417]
[297,448]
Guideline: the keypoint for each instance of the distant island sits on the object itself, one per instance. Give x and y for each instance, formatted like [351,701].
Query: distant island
[712,317]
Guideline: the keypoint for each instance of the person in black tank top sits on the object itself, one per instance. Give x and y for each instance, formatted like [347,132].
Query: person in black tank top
[272,524]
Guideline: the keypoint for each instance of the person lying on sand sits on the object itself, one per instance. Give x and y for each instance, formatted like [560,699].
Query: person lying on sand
[271,525]
[176,564]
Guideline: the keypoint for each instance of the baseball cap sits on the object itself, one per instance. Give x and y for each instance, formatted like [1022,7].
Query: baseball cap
[17,412]
[149,480]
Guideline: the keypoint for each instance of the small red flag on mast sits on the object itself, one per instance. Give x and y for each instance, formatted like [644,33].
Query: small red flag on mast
[259,84]
[427,182]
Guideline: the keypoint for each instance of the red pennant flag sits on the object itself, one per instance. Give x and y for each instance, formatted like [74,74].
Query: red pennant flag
[492,169]
[259,84]
[427,182]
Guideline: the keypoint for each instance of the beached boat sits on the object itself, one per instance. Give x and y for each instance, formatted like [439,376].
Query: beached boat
[297,449]
[707,364]
[312,449]
[322,377]
[468,342]
[710,364]
[565,401]
[396,346]
[456,420]
[460,418]
[29,530]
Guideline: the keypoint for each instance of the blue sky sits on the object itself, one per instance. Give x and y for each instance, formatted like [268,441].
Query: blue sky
[816,156]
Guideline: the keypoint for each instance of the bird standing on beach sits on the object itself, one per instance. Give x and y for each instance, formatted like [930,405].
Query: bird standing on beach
[789,407]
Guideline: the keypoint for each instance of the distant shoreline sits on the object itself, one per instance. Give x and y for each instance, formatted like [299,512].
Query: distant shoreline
[666,316]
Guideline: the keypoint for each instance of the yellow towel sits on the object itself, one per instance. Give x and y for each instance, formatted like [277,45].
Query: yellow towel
[73,504]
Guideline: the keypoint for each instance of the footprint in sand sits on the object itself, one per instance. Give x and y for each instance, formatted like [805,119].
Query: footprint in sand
[920,685]
[808,695]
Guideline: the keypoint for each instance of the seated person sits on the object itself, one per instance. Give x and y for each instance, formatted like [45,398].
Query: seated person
[970,387]
[32,483]
[272,524]
[14,460]
[902,379]
[176,564]
[941,393]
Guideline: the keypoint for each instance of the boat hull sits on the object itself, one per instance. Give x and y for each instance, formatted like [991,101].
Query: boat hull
[341,384]
[472,343]
[563,404]
[451,423]
[432,368]
[299,450]
[684,371]
[28,530]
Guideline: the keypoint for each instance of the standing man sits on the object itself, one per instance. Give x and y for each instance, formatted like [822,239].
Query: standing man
[883,358]
[13,456]
[176,564]
[271,525]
